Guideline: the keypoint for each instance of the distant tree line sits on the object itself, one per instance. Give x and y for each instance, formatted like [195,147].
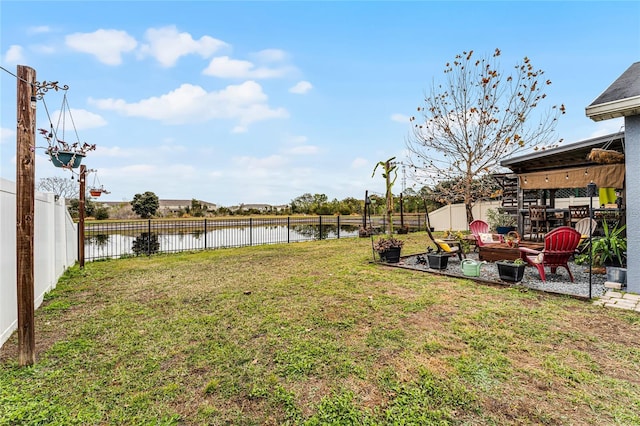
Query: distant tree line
[146,205]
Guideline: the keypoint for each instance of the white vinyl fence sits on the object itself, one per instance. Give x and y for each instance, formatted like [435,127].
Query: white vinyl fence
[55,250]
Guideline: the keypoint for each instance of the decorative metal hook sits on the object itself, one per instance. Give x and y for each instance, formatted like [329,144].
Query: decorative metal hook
[45,86]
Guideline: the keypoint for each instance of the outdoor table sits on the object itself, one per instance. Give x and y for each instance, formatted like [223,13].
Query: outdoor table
[502,251]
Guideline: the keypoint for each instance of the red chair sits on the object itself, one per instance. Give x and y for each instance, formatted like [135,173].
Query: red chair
[559,245]
[482,234]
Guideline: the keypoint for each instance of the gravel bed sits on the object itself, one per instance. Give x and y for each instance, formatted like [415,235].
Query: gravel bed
[555,283]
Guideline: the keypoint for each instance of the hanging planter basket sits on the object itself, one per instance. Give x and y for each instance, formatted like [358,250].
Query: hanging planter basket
[606,156]
[66,159]
[67,155]
[95,192]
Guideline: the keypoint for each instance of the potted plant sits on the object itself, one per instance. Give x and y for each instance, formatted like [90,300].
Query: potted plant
[511,270]
[63,154]
[501,221]
[98,191]
[389,249]
[609,251]
[437,260]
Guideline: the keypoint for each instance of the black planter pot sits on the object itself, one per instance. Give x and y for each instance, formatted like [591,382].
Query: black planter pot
[438,261]
[504,230]
[510,272]
[391,255]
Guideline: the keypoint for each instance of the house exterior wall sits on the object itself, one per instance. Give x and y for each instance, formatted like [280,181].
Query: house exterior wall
[632,148]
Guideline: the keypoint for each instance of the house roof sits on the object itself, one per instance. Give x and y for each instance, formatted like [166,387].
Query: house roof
[180,203]
[621,99]
[570,155]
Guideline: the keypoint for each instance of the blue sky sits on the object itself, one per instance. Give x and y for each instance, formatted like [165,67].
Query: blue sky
[260,102]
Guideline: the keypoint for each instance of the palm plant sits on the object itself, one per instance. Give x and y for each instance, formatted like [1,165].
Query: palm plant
[610,248]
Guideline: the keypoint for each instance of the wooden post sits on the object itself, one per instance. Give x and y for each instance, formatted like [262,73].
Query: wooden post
[82,178]
[25,207]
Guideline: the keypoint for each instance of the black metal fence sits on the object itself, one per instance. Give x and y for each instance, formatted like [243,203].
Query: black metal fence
[111,239]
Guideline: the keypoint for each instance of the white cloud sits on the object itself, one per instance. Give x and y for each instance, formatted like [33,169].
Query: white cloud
[7,135]
[106,45]
[359,163]
[137,170]
[270,55]
[304,150]
[297,139]
[245,103]
[254,167]
[39,29]
[114,151]
[166,45]
[301,88]
[225,67]
[14,55]
[82,119]
[400,118]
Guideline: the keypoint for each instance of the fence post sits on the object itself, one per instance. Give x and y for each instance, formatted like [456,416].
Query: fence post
[288,229]
[320,227]
[205,233]
[149,238]
[250,231]
[338,226]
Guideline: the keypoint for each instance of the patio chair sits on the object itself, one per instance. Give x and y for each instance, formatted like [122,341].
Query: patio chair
[538,221]
[480,230]
[559,245]
[582,226]
[576,213]
[443,247]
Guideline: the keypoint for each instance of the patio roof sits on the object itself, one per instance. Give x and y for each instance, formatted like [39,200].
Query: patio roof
[563,157]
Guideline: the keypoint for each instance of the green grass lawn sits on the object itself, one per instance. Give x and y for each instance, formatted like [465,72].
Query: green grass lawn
[314,333]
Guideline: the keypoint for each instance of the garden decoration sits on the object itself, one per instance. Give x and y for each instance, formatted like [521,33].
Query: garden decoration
[389,245]
[605,155]
[64,154]
[389,167]
[97,189]
[513,239]
[471,268]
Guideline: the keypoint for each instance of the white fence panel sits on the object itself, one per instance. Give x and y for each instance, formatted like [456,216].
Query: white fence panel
[454,216]
[55,250]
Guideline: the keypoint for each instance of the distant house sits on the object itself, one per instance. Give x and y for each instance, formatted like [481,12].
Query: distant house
[168,207]
[260,208]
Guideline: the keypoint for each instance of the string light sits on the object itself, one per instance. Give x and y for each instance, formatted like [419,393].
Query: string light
[525,179]
[546,178]
[567,177]
[586,172]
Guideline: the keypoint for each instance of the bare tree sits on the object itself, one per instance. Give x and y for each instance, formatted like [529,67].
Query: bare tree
[61,187]
[474,119]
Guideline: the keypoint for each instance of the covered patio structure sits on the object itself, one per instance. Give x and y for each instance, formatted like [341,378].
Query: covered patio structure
[567,170]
